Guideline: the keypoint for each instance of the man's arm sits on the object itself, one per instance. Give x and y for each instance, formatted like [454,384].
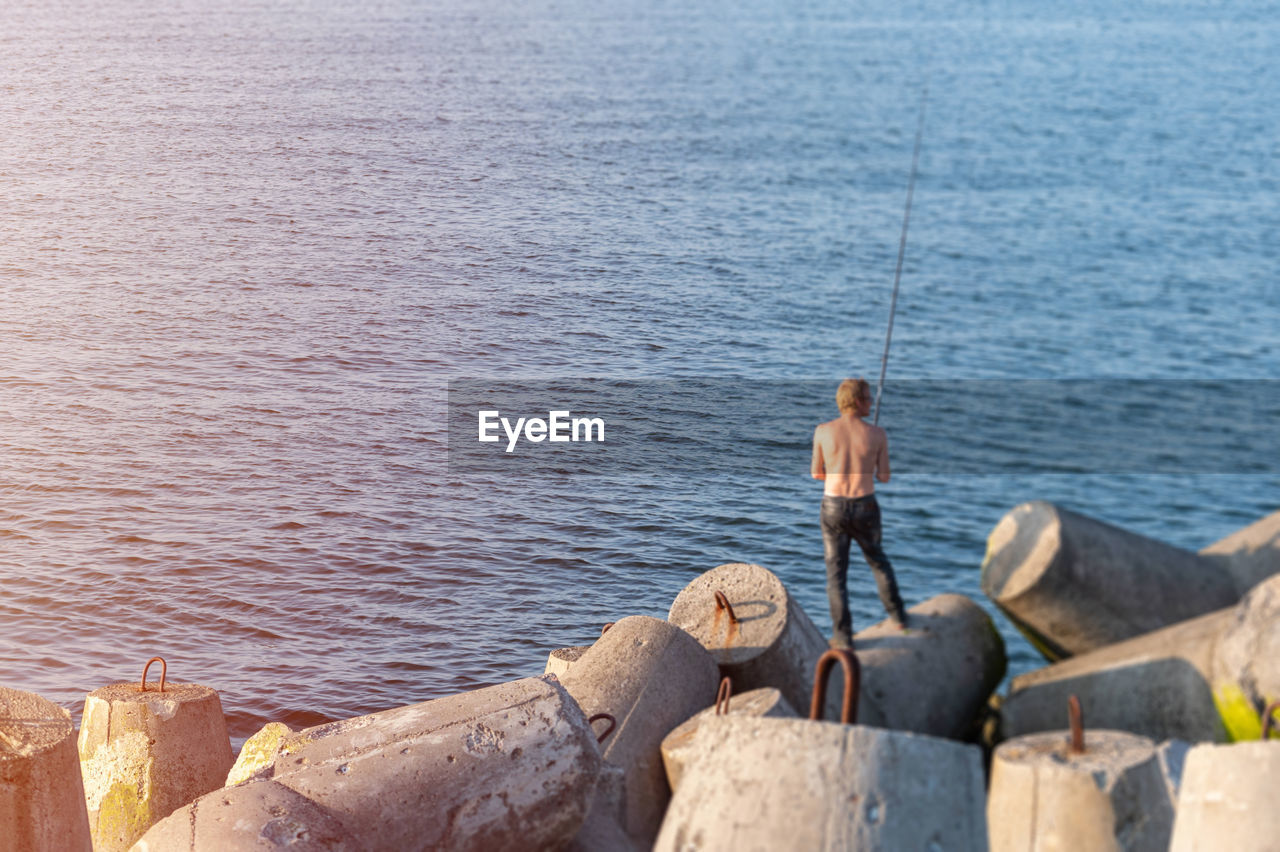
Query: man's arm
[882,459]
[819,467]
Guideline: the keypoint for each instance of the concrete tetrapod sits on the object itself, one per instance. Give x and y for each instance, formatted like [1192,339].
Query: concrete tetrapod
[650,676]
[1073,584]
[936,677]
[677,745]
[757,633]
[1250,555]
[1228,798]
[256,817]
[1206,679]
[1156,685]
[1047,795]
[144,754]
[258,753]
[507,767]
[561,660]
[933,679]
[41,797]
[1246,661]
[761,783]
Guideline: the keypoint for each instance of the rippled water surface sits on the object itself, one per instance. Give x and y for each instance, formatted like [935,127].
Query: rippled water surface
[245,246]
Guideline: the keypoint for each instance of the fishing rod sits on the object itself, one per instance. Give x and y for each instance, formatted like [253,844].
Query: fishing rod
[902,248]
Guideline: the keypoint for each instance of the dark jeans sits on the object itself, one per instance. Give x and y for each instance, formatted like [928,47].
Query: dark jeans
[848,519]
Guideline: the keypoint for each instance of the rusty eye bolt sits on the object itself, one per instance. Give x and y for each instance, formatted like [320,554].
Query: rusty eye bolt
[613,723]
[722,697]
[164,670]
[1075,717]
[852,683]
[722,602]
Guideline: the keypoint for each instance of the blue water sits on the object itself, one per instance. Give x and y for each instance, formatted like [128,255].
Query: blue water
[244,248]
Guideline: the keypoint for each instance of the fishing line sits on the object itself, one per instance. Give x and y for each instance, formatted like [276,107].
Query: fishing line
[902,247]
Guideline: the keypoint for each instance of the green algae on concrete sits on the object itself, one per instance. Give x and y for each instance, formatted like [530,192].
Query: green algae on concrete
[123,815]
[258,754]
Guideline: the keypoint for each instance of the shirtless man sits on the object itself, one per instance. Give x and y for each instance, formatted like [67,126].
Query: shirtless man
[848,456]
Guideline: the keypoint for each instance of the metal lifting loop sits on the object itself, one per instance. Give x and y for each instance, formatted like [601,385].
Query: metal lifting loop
[722,696]
[722,602]
[164,670]
[1075,716]
[1268,718]
[613,723]
[852,683]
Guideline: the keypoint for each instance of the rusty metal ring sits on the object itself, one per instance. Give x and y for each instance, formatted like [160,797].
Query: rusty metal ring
[164,670]
[613,723]
[1268,718]
[722,696]
[852,684]
[605,629]
[1075,718]
[722,602]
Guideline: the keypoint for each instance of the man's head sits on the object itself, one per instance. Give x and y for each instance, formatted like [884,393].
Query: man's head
[854,397]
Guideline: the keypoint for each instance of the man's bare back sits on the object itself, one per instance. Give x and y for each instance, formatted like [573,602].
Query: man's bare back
[849,455]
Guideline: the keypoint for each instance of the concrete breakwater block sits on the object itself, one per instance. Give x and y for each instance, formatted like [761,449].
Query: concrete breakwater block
[763,638]
[1156,685]
[1250,555]
[258,817]
[678,744]
[1204,680]
[650,676]
[1228,799]
[41,796]
[1113,795]
[143,755]
[258,753]
[1246,661]
[510,766]
[1073,584]
[561,660]
[761,783]
[934,678]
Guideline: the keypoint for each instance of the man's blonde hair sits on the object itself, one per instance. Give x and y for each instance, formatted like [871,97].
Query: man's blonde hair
[849,391]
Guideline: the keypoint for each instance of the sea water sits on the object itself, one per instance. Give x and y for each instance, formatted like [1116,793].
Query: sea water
[246,249]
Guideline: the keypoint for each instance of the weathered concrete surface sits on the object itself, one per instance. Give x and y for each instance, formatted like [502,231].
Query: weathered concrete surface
[1157,685]
[932,679]
[1251,554]
[1112,796]
[678,745]
[261,816]
[510,766]
[1073,584]
[561,660]
[649,675]
[145,754]
[774,643]
[41,796]
[258,753]
[757,783]
[1246,661]
[602,830]
[1228,799]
